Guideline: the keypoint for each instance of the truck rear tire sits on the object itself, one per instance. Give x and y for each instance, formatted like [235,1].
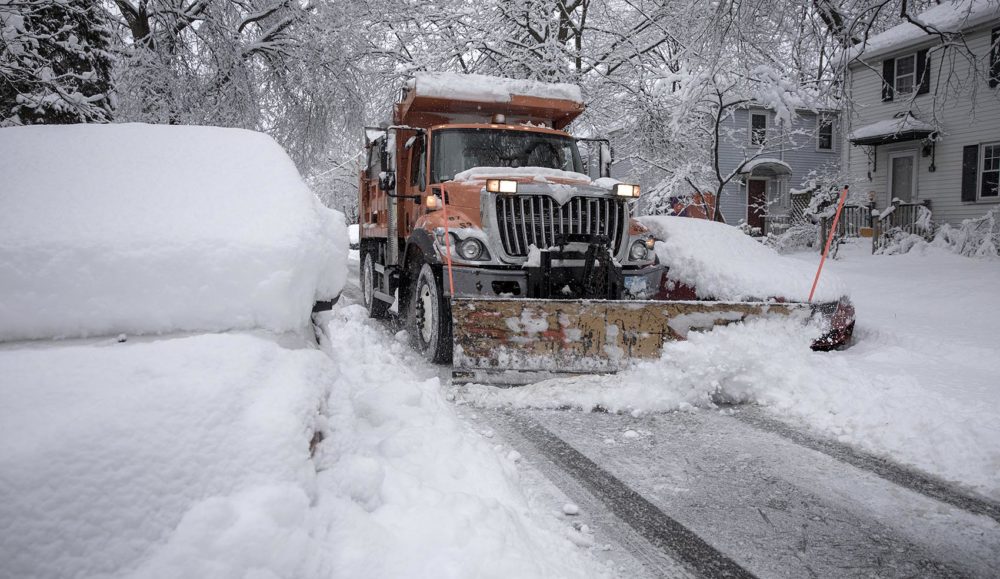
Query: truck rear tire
[430,317]
[376,308]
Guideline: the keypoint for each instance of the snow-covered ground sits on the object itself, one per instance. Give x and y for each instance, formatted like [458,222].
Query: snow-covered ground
[918,384]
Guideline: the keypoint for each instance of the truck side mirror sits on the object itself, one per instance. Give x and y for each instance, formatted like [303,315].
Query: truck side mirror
[604,159]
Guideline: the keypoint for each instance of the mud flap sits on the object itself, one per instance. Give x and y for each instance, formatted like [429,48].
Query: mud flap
[519,341]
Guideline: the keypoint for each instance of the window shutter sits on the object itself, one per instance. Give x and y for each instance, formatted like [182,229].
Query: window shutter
[994,58]
[888,78]
[923,72]
[970,172]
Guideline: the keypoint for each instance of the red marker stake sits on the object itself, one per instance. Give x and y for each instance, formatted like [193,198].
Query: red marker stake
[829,238]
[447,242]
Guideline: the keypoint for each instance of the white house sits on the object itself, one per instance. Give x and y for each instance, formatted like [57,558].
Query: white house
[923,123]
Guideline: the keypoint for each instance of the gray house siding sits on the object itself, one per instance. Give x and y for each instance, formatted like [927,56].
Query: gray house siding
[969,115]
[795,145]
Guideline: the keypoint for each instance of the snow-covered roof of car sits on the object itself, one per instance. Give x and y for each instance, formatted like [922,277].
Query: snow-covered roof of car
[950,17]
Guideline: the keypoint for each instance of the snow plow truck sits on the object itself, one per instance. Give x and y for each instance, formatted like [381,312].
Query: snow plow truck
[506,251]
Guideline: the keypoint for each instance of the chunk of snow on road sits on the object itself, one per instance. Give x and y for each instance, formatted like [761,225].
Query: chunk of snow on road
[630,434]
[489,89]
[721,262]
[571,509]
[149,229]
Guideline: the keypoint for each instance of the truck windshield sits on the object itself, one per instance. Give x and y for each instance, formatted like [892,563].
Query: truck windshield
[456,150]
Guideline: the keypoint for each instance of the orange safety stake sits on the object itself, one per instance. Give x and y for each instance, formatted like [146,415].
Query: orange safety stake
[447,243]
[829,238]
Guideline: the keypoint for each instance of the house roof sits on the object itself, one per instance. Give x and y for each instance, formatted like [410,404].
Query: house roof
[767,165]
[951,17]
[904,128]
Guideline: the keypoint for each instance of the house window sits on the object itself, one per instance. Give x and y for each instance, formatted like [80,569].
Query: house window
[989,178]
[906,74]
[758,128]
[824,134]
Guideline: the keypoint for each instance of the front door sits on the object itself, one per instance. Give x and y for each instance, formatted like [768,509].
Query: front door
[902,176]
[756,203]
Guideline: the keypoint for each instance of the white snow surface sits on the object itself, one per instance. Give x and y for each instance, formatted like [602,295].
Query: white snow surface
[951,16]
[489,89]
[479,173]
[889,127]
[190,457]
[918,385]
[183,457]
[149,229]
[415,491]
[723,263]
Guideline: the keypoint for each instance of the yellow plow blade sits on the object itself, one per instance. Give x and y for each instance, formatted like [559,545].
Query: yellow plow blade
[518,341]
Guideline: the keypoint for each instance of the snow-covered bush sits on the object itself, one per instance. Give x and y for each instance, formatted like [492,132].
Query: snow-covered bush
[796,238]
[973,238]
[146,229]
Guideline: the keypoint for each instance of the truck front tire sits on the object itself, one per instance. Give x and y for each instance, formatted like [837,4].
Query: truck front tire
[430,317]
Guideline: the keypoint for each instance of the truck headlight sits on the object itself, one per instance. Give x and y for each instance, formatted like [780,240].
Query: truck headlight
[470,249]
[501,186]
[624,190]
[638,251]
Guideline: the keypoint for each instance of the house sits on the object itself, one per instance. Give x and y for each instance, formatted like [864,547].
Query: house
[770,160]
[923,119]
[773,158]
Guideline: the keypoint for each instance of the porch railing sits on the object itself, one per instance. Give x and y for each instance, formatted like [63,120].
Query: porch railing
[911,218]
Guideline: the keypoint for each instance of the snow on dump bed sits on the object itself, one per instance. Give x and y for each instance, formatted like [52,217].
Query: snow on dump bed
[489,89]
[721,262]
[141,228]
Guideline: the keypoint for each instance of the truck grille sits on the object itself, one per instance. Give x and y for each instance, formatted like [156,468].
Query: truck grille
[526,220]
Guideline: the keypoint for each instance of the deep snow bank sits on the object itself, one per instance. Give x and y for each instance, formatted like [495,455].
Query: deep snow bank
[185,457]
[723,263]
[143,229]
[415,491]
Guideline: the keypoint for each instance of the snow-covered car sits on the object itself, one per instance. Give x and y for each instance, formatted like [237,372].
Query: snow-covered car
[136,228]
[706,260]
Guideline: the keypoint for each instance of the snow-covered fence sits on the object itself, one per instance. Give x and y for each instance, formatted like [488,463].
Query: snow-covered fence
[906,218]
[853,218]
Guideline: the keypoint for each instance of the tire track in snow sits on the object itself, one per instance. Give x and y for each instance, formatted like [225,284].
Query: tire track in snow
[643,516]
[899,475]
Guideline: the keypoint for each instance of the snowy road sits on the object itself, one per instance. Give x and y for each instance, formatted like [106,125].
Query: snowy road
[735,493]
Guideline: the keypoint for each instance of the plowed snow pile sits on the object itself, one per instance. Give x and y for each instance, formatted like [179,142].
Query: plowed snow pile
[185,457]
[414,490]
[918,385]
[148,229]
[723,263]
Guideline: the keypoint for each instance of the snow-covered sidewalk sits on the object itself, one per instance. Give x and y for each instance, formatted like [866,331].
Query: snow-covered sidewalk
[919,384]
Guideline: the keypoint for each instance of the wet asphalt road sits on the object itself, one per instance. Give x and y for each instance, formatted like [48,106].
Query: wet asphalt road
[738,493]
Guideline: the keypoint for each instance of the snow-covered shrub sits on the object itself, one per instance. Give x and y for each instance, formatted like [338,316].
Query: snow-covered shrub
[796,238]
[973,238]
[897,241]
[147,229]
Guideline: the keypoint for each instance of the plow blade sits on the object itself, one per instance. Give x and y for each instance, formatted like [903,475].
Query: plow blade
[519,341]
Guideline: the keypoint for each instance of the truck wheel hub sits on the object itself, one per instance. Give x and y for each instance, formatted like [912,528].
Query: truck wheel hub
[426,311]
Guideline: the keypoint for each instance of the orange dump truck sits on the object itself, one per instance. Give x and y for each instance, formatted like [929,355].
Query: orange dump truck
[500,245]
